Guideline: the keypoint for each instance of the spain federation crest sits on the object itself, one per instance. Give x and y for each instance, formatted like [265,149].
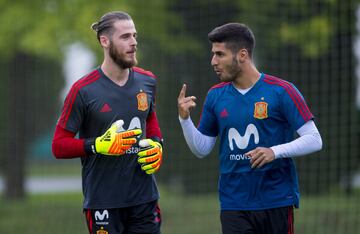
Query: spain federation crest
[102,231]
[142,101]
[260,110]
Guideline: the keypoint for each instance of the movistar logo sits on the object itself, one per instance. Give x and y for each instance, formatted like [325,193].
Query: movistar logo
[101,216]
[134,123]
[242,142]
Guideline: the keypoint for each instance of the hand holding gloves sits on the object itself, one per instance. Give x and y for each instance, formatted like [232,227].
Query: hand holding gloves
[115,142]
[150,155]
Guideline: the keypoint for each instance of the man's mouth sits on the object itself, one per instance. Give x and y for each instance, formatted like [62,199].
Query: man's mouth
[133,51]
[217,71]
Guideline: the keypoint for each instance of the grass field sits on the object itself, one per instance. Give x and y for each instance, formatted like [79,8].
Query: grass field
[332,214]
[62,213]
[181,214]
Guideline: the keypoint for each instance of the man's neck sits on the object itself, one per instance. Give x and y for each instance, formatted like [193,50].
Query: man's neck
[247,78]
[118,75]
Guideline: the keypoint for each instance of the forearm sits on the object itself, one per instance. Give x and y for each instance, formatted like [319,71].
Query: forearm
[309,142]
[199,144]
[65,145]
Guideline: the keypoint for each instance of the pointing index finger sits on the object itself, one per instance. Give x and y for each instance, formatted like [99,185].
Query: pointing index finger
[182,91]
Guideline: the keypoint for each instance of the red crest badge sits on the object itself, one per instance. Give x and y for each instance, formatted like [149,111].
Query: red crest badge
[142,101]
[101,232]
[260,110]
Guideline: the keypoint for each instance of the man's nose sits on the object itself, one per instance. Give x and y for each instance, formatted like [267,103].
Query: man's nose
[134,41]
[214,61]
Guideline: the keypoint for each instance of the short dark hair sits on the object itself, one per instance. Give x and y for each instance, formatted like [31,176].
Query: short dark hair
[236,36]
[105,24]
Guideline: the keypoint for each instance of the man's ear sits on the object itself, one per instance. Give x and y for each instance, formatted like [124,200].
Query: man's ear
[104,41]
[242,55]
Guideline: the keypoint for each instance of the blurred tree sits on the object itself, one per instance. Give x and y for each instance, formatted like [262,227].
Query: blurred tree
[44,28]
[30,110]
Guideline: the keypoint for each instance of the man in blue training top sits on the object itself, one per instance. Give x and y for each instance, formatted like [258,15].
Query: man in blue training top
[255,116]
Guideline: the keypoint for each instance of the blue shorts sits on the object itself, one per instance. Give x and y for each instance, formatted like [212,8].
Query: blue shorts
[144,218]
[270,221]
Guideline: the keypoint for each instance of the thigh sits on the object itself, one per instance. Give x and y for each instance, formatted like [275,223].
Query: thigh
[144,218]
[280,220]
[271,221]
[236,222]
[106,221]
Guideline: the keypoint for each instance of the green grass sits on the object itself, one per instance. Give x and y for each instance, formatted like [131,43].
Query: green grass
[56,168]
[185,214]
[43,214]
[62,213]
[332,214]
[181,214]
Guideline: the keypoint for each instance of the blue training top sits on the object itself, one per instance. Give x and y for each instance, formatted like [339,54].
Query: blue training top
[267,115]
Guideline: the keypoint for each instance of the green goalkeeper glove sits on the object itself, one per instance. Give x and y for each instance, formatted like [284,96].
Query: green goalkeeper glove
[115,142]
[150,155]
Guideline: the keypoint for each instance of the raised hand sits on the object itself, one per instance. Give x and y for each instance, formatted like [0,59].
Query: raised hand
[185,103]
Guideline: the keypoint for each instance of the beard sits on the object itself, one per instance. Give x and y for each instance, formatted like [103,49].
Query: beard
[232,71]
[120,59]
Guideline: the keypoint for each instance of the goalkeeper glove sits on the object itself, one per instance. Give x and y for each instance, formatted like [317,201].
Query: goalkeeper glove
[114,141]
[150,155]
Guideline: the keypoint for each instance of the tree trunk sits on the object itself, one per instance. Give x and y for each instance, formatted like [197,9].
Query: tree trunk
[15,128]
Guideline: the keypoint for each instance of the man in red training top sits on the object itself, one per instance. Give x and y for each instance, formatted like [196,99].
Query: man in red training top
[120,143]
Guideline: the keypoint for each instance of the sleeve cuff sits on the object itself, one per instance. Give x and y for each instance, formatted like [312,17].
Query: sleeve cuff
[89,146]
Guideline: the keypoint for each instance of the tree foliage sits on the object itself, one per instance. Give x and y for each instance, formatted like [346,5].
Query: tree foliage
[44,28]
[308,25]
